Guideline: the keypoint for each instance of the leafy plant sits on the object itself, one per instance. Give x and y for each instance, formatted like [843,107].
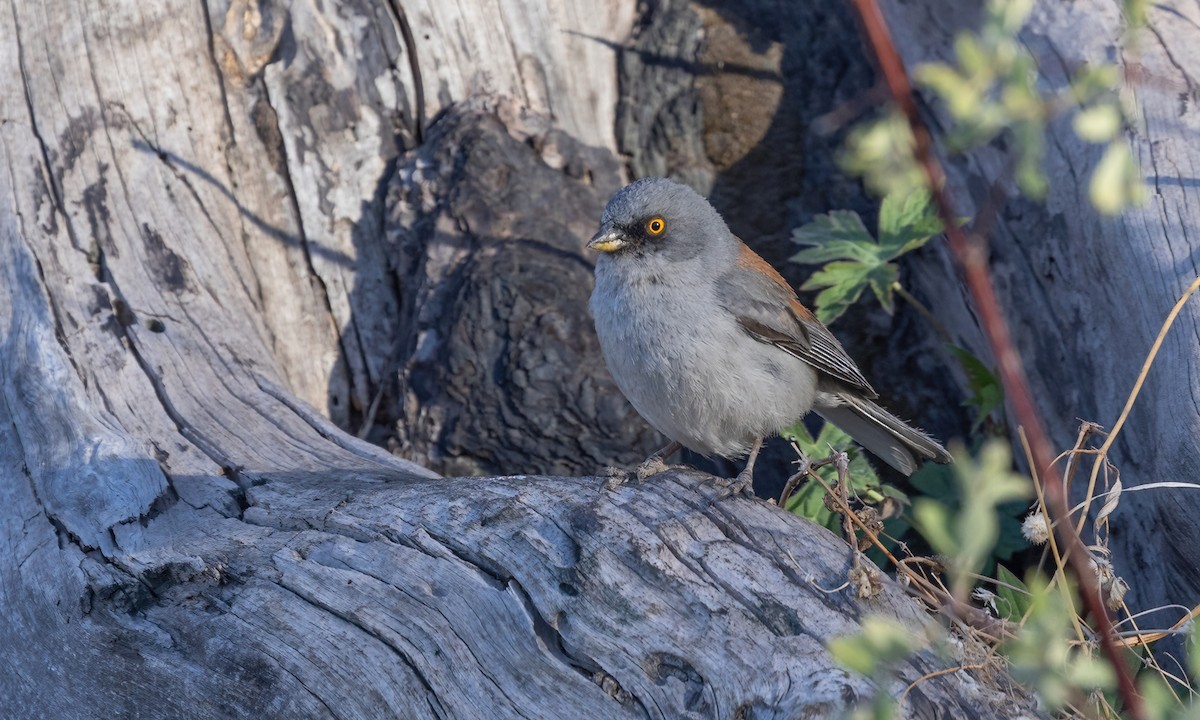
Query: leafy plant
[879,644]
[874,652]
[987,394]
[854,260]
[809,500]
[992,93]
[967,535]
[1042,656]
[992,88]
[880,151]
[1013,596]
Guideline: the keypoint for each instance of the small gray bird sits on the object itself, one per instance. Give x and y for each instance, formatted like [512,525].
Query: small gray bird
[710,343]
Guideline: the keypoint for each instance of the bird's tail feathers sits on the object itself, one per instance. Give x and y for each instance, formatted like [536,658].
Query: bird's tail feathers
[882,433]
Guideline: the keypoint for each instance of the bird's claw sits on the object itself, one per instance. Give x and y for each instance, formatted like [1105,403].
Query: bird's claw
[743,484]
[615,477]
[652,466]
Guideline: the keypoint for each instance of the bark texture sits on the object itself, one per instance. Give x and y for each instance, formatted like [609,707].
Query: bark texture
[729,97]
[216,216]
[1086,295]
[501,369]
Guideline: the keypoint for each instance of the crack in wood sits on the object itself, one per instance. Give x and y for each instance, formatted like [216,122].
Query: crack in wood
[430,695]
[414,68]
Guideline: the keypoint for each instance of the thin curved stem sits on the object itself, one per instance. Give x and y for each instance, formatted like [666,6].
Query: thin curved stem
[971,257]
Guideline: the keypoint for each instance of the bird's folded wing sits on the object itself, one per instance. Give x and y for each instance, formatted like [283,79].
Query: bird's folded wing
[767,308]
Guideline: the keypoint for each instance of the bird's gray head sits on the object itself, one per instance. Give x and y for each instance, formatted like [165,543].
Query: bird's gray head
[656,217]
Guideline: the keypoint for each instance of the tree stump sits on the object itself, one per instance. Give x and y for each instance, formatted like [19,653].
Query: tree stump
[231,232]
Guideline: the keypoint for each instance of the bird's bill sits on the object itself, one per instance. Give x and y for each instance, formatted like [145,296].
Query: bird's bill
[608,240]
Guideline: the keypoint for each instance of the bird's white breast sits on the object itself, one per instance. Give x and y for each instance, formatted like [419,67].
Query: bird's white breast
[688,368]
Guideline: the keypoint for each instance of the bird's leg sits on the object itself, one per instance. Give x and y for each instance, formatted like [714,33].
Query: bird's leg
[655,464]
[652,465]
[744,482]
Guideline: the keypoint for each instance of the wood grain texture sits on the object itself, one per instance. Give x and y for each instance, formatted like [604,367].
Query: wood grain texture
[728,96]
[1086,295]
[197,280]
[500,368]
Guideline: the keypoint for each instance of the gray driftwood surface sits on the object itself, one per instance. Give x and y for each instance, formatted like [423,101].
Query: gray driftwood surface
[236,235]
[1087,295]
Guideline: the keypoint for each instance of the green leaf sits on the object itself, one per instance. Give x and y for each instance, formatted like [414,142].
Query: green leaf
[935,481]
[853,261]
[987,122]
[974,60]
[1117,181]
[986,392]
[1093,80]
[1041,654]
[958,92]
[881,153]
[1087,673]
[906,222]
[1098,124]
[934,520]
[843,283]
[1160,699]
[831,437]
[1030,144]
[881,279]
[1013,602]
[838,235]
[878,645]
[1135,12]
[969,536]
[986,483]
[809,500]
[1008,16]
[799,434]
[854,654]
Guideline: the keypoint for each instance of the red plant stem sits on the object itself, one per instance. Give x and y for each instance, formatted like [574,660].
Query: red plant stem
[972,258]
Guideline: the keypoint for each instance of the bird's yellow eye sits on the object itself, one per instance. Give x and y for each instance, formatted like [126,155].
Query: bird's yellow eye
[656,226]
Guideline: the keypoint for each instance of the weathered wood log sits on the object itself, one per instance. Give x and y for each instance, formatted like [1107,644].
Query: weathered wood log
[727,96]
[1086,295]
[192,220]
[501,368]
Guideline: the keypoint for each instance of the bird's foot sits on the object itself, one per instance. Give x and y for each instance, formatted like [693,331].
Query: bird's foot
[616,477]
[652,466]
[743,484]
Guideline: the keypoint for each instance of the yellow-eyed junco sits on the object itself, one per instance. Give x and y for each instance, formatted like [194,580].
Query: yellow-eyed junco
[710,343]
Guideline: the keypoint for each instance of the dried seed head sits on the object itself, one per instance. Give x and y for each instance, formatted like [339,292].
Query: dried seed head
[1103,569]
[869,516]
[1116,593]
[866,581]
[986,597]
[1035,528]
